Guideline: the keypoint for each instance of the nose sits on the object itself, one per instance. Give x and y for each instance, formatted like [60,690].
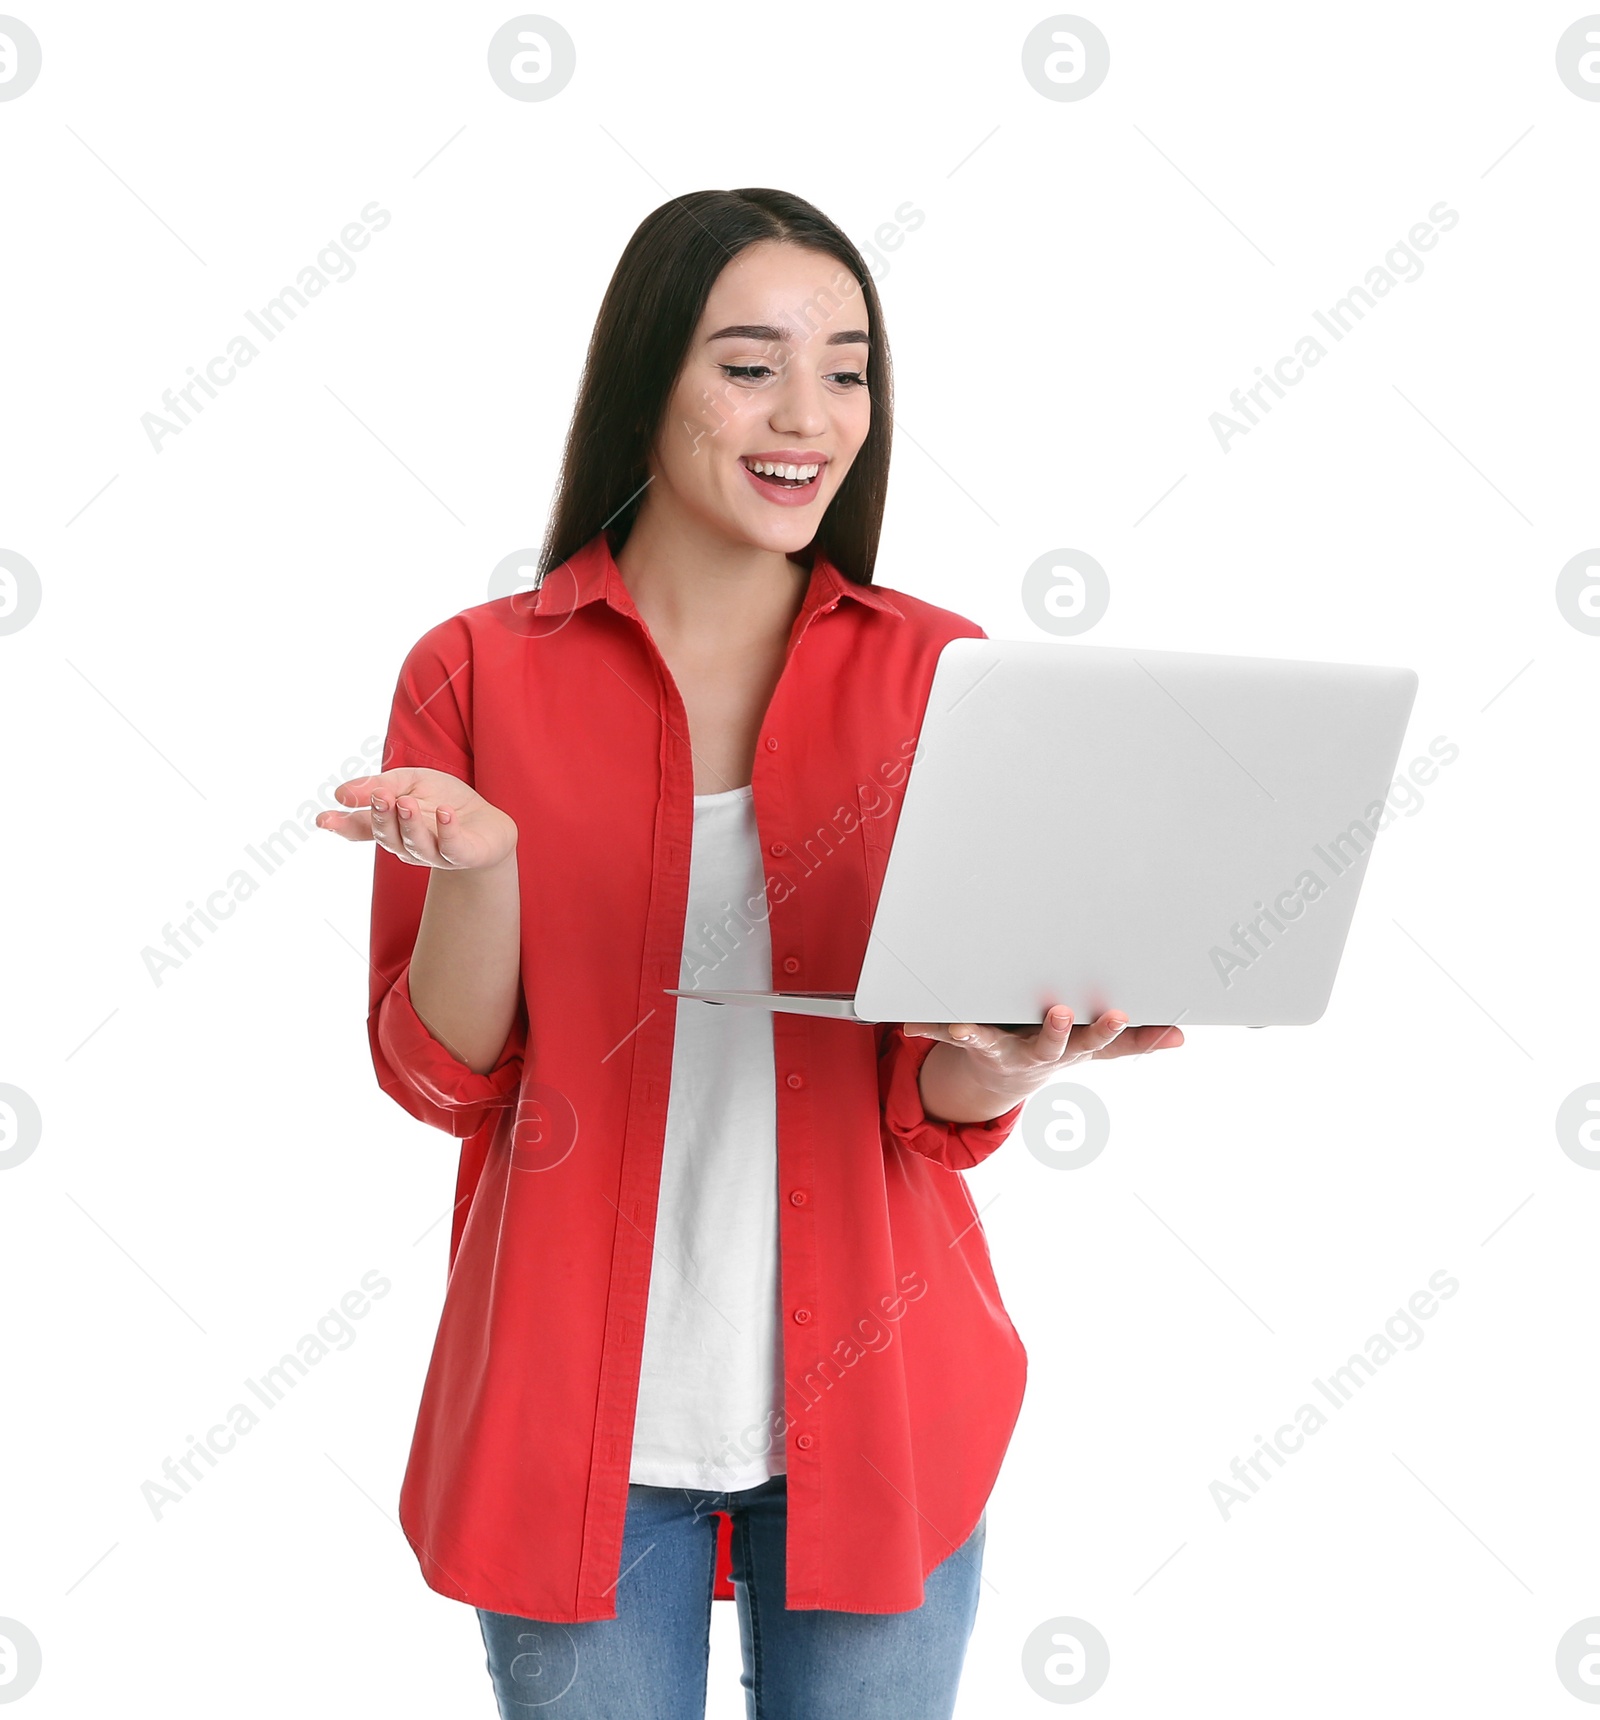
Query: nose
[799,407]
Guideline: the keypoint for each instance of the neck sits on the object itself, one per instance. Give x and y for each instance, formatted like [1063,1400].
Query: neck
[689,586]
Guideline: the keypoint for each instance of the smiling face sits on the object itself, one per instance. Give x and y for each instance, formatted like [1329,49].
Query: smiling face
[771,406]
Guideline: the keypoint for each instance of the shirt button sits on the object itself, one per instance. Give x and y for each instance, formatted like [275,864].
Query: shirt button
[772,743]
[798,1197]
[802,1315]
[790,965]
[776,848]
[805,1441]
[795,1080]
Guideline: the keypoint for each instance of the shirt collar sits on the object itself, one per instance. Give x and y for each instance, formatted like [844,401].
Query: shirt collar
[592,573]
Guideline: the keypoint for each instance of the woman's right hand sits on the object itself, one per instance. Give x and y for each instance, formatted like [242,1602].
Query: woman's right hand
[424,817]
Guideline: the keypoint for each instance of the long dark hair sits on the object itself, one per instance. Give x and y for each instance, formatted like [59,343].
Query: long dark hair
[652,305]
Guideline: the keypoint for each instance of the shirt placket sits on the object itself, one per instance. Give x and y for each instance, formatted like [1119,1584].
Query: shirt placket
[799,1266]
[643,1138]
[645,1132]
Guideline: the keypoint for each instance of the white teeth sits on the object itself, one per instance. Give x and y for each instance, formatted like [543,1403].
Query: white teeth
[803,473]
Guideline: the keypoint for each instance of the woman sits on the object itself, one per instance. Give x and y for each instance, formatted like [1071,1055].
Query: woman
[707,1265]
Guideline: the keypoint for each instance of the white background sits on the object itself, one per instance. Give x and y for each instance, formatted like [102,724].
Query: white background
[221,627]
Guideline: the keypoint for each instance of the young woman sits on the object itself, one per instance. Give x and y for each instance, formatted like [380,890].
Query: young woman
[719,1303]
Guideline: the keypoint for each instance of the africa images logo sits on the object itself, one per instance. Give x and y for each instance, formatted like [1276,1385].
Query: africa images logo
[1400,1332]
[1400,265]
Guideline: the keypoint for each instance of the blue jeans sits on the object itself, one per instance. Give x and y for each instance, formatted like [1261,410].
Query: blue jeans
[649,1662]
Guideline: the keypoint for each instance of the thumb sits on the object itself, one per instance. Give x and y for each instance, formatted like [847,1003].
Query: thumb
[355,792]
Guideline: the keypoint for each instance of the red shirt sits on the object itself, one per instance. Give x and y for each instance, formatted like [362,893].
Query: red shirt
[903,1372]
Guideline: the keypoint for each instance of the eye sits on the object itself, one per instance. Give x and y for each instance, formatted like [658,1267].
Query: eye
[855,377]
[748,370]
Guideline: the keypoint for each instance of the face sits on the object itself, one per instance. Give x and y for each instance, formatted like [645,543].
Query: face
[775,377]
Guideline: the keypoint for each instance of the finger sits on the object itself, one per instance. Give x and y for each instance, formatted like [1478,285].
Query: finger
[360,789]
[925,1030]
[436,836]
[1052,1039]
[1137,1040]
[386,826]
[415,826]
[980,1038]
[372,797]
[1094,1036]
[447,835]
[353,826]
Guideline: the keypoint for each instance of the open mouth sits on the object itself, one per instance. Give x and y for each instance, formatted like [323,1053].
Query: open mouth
[784,483]
[780,476]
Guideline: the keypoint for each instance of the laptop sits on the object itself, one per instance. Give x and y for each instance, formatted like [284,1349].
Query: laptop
[1176,835]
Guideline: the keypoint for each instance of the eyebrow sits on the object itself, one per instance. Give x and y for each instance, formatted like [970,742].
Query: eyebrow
[765,331]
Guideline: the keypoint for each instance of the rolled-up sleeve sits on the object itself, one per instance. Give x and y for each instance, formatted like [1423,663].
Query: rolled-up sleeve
[956,1146]
[429,727]
[424,1076]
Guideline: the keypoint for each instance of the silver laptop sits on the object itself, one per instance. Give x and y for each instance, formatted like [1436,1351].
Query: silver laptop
[1175,835]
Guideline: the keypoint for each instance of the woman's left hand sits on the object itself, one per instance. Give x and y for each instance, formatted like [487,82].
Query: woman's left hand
[1013,1064]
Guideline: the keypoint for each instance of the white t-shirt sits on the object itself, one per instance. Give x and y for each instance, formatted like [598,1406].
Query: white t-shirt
[711,1379]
